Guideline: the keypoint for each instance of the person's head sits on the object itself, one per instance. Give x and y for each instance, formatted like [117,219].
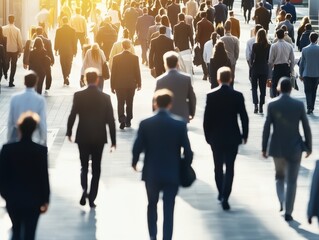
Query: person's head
[126,44]
[38,43]
[65,20]
[220,29]
[165,21]
[30,79]
[95,51]
[184,10]
[284,85]
[227,26]
[162,11]
[27,123]
[282,14]
[145,10]
[208,3]
[257,27]
[77,10]
[308,27]
[162,30]
[304,21]
[261,37]
[11,19]
[288,16]
[92,76]
[202,6]
[158,18]
[214,37]
[261,4]
[170,59]
[219,51]
[280,34]
[284,27]
[133,4]
[39,30]
[203,14]
[231,13]
[163,98]
[224,75]
[181,17]
[313,37]
[126,33]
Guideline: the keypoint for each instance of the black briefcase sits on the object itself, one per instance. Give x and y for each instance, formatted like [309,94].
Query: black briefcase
[187,174]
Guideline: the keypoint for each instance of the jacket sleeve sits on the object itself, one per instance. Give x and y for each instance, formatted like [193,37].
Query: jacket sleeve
[139,145]
[306,129]
[191,99]
[110,120]
[243,117]
[45,186]
[266,130]
[72,116]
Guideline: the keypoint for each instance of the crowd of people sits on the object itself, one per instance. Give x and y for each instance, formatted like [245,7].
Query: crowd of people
[169,34]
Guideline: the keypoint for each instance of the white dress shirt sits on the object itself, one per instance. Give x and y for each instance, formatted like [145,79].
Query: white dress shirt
[282,52]
[208,51]
[14,38]
[27,100]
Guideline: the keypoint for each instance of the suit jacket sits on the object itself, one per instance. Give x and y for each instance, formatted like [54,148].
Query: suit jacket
[235,27]
[262,17]
[131,76]
[204,31]
[290,8]
[221,12]
[285,114]
[48,47]
[172,13]
[159,46]
[142,25]
[106,37]
[130,19]
[65,41]
[184,101]
[39,61]
[223,105]
[95,111]
[313,205]
[151,30]
[259,59]
[183,36]
[161,137]
[308,66]
[24,180]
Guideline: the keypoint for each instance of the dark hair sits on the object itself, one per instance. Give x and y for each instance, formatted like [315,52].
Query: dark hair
[224,74]
[39,30]
[308,26]
[202,6]
[262,38]
[280,34]
[11,19]
[165,21]
[288,16]
[220,29]
[220,52]
[284,85]
[284,27]
[203,14]
[27,123]
[126,33]
[257,27]
[91,75]
[171,59]
[158,18]
[214,36]
[313,37]
[163,98]
[162,30]
[227,26]
[30,79]
[181,16]
[38,43]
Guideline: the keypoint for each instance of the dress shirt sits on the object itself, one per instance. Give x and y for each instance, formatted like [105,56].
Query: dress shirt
[208,51]
[27,100]
[78,22]
[282,52]
[249,47]
[14,39]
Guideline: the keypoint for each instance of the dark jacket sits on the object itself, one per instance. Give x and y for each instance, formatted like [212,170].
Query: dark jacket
[172,13]
[259,59]
[39,61]
[204,31]
[215,64]
[65,41]
[24,180]
[221,13]
[262,17]
[183,36]
[106,37]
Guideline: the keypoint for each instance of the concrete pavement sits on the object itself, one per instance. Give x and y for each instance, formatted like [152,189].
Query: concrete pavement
[121,203]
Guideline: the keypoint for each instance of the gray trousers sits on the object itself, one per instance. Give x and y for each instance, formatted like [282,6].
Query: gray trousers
[287,170]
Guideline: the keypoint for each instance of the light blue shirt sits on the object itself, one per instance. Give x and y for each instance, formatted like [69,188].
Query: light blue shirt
[27,100]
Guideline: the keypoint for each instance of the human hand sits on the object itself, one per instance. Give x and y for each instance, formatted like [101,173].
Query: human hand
[307,154]
[309,220]
[70,139]
[134,167]
[264,154]
[113,148]
[44,208]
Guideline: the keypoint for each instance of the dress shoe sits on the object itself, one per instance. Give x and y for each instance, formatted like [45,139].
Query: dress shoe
[122,125]
[256,109]
[83,199]
[92,204]
[205,77]
[288,217]
[309,111]
[66,81]
[261,109]
[281,207]
[225,205]
[11,85]
[128,124]
[219,198]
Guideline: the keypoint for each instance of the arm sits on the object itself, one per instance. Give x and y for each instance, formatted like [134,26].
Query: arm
[188,153]
[137,74]
[110,120]
[19,42]
[266,131]
[244,118]
[191,99]
[44,176]
[307,131]
[43,122]
[11,123]
[292,59]
[3,172]
[237,49]
[151,55]
[139,146]
[72,116]
[314,194]
[302,65]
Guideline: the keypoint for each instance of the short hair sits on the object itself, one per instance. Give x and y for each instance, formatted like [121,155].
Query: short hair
[203,14]
[231,13]
[39,30]
[77,10]
[27,123]
[308,27]
[11,18]
[171,59]
[163,98]
[208,2]
[288,16]
[280,34]
[145,10]
[284,27]
[313,37]
[224,74]
[30,79]
[257,27]
[284,85]
[158,18]
[181,16]
[162,30]
[126,44]
[91,75]
[227,26]
[65,20]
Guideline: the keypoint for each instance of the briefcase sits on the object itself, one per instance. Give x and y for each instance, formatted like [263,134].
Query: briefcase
[198,57]
[187,175]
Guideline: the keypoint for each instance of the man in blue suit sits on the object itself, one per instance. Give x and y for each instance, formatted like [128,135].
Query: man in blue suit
[309,71]
[161,137]
[286,144]
[290,8]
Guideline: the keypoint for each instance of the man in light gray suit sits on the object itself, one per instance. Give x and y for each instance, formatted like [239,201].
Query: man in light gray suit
[184,101]
[309,71]
[286,144]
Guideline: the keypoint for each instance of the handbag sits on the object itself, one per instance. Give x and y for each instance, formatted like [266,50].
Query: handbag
[198,57]
[105,71]
[187,175]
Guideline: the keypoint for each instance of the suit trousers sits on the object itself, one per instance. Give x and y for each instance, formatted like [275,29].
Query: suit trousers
[169,193]
[144,47]
[259,80]
[48,78]
[40,82]
[224,155]
[66,65]
[311,85]
[12,58]
[125,96]
[95,152]
[204,65]
[24,222]
[80,36]
[287,169]
[280,70]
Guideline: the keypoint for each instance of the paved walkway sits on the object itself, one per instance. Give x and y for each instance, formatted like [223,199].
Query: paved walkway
[121,203]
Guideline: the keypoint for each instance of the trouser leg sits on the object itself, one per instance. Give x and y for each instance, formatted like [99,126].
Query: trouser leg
[97,151]
[84,158]
[280,167]
[152,191]
[169,194]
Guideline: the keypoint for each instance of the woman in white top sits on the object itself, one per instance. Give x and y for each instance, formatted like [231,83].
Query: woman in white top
[94,57]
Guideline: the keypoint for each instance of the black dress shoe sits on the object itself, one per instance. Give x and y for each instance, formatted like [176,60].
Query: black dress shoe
[205,77]
[281,207]
[128,124]
[219,198]
[92,205]
[288,217]
[309,111]
[122,125]
[11,85]
[261,109]
[83,199]
[225,205]
[256,109]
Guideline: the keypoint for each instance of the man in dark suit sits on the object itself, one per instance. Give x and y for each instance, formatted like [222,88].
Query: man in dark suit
[24,180]
[172,13]
[48,47]
[183,35]
[204,31]
[125,78]
[184,101]
[222,132]
[161,168]
[65,45]
[286,144]
[143,24]
[262,16]
[290,8]
[159,46]
[221,12]
[95,110]
[130,16]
